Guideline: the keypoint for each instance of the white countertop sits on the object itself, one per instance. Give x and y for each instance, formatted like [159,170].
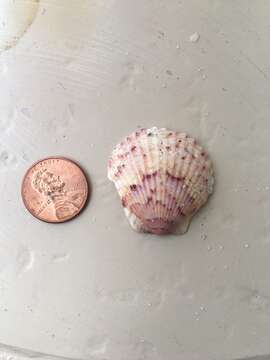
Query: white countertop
[75,77]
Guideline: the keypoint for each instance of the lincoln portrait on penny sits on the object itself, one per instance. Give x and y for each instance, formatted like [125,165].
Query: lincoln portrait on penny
[53,187]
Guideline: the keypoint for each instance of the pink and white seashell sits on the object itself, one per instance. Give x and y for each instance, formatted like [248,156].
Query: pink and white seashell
[163,179]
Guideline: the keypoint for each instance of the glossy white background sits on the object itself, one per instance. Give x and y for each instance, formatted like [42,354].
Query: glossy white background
[75,77]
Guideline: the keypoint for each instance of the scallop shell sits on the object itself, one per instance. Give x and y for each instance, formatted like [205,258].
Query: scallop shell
[163,179]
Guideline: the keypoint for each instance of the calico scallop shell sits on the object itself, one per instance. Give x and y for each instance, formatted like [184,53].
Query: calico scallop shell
[163,178]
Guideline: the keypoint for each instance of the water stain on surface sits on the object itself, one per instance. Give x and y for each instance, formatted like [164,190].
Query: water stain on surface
[144,349]
[131,76]
[8,161]
[25,259]
[7,119]
[26,112]
[256,300]
[128,296]
[58,258]
[16,16]
[98,345]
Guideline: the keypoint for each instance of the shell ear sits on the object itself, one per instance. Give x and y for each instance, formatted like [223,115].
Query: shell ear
[182,227]
[134,221]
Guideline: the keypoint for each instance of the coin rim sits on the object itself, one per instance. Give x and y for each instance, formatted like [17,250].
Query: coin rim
[60,158]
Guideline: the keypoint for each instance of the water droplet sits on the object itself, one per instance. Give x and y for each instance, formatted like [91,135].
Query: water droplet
[177,46]
[194,37]
[164,86]
[204,77]
[221,247]
[209,248]
[246,246]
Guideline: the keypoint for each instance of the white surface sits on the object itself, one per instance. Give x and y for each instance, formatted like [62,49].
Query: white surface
[81,77]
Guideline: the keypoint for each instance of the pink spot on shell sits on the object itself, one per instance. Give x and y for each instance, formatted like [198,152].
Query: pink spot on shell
[149,176]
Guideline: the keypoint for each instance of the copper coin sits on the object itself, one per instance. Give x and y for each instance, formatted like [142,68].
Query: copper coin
[55,190]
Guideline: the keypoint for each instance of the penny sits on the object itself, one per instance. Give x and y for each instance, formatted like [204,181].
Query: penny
[55,190]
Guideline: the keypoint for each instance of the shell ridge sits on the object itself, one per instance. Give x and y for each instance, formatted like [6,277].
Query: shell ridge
[186,170]
[174,200]
[162,178]
[152,179]
[186,200]
[146,171]
[133,167]
[165,157]
[199,184]
[180,188]
[137,196]
[157,182]
[194,190]
[167,193]
[142,181]
[177,186]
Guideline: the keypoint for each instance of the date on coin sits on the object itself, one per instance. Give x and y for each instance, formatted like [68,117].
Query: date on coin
[55,190]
